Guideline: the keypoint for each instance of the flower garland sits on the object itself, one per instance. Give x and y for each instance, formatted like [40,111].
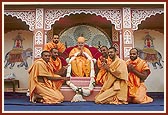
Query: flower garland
[81,90]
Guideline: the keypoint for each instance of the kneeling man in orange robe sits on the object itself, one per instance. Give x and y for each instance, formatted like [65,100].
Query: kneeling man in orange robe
[138,72]
[115,88]
[42,81]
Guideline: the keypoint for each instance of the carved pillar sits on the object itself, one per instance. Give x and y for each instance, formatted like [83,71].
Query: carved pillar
[126,33]
[116,40]
[39,33]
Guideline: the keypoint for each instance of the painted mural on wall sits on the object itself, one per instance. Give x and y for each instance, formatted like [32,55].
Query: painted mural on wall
[150,54]
[18,54]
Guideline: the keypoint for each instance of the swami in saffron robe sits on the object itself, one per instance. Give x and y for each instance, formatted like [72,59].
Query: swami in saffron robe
[115,88]
[81,66]
[57,65]
[60,46]
[102,74]
[47,89]
[136,87]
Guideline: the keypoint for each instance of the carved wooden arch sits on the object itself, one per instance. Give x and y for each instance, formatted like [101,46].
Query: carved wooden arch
[26,16]
[114,15]
[138,15]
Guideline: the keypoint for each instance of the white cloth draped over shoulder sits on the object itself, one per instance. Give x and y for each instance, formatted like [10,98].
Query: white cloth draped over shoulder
[81,91]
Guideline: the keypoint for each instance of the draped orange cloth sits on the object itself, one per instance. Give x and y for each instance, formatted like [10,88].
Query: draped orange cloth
[57,65]
[47,89]
[60,46]
[102,74]
[80,65]
[115,88]
[136,88]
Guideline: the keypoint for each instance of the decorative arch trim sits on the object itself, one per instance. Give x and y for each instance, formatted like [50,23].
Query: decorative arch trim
[26,16]
[114,15]
[138,15]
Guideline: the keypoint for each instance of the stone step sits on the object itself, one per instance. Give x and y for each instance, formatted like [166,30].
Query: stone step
[69,93]
[79,82]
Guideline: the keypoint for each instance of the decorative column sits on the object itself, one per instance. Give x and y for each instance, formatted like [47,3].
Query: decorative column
[126,34]
[116,40]
[39,34]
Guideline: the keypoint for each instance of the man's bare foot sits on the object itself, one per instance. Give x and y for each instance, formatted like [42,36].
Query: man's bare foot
[37,98]
[34,98]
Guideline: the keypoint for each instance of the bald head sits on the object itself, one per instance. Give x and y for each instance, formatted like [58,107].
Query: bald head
[81,42]
[81,39]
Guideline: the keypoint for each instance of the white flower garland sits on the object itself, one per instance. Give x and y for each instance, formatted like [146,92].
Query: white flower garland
[81,90]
